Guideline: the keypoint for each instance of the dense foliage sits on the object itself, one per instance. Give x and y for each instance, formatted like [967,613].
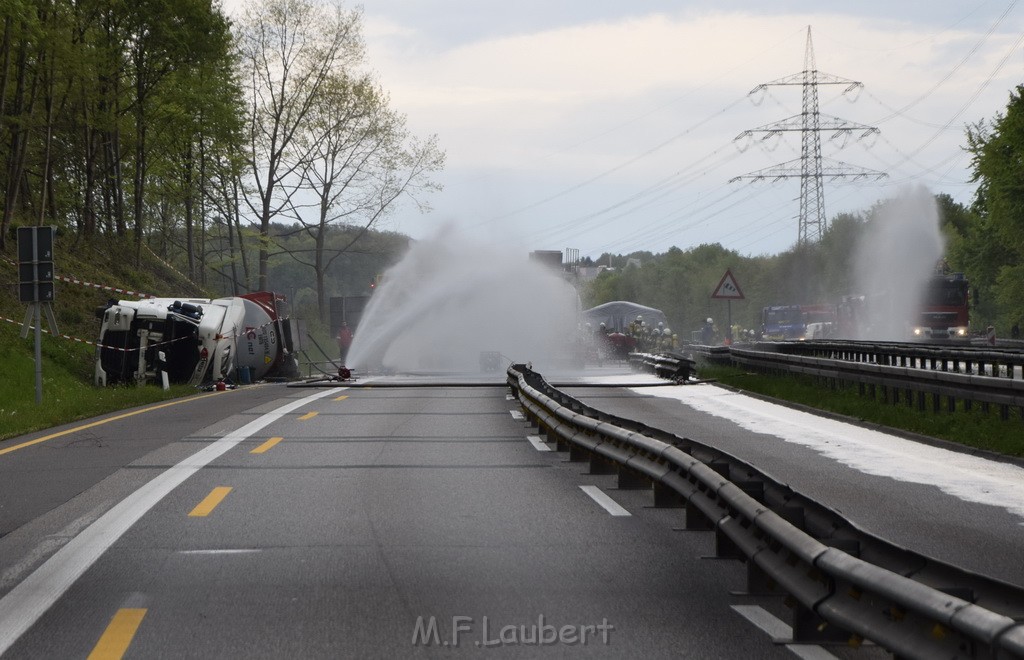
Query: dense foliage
[990,241]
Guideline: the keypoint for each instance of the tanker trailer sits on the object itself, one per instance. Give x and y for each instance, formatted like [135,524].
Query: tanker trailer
[193,341]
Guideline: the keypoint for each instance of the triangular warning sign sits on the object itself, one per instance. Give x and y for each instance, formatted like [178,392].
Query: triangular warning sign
[728,288]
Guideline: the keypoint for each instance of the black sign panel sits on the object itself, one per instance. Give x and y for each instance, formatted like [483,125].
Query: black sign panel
[26,244]
[44,243]
[35,264]
[27,292]
[26,272]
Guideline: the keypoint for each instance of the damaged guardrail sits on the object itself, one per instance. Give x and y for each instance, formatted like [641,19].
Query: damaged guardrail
[670,365]
[843,583]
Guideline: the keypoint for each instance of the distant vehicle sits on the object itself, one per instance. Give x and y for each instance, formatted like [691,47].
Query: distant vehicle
[783,322]
[945,309]
[194,341]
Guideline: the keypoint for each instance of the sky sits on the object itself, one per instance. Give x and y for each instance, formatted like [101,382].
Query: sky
[606,126]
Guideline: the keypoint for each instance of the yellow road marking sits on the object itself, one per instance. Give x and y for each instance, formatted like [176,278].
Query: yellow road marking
[342,397]
[8,450]
[210,502]
[309,415]
[118,635]
[266,445]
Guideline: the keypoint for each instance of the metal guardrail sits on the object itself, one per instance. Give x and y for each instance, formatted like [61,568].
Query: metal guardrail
[913,384]
[844,585]
[1004,362]
[925,376]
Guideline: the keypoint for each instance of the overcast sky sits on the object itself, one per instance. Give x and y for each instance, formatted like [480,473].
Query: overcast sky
[611,126]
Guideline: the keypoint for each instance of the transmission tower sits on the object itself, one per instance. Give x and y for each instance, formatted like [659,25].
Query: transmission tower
[810,168]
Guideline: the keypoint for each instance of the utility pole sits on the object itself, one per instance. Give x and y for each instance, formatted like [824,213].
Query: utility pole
[810,168]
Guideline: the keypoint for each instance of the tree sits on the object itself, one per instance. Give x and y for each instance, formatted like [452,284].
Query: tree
[289,49]
[992,244]
[361,161]
[163,36]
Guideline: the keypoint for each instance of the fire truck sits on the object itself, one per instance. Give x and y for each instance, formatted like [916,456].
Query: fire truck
[195,341]
[944,310]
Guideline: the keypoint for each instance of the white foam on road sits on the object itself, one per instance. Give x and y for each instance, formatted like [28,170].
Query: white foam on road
[969,478]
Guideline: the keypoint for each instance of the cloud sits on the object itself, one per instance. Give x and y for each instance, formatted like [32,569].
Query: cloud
[542,83]
[565,115]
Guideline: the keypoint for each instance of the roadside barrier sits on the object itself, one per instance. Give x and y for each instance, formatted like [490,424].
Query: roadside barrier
[843,584]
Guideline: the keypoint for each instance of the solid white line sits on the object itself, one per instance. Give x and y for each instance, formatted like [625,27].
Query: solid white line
[779,629]
[810,652]
[516,415]
[537,443]
[607,503]
[765,620]
[28,601]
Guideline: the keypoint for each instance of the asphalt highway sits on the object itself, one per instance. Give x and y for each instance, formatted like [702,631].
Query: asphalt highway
[342,522]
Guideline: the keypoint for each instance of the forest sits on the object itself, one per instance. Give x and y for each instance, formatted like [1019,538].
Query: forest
[235,150]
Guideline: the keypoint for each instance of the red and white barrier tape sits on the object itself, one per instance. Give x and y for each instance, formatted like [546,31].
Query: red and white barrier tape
[72,280]
[92,285]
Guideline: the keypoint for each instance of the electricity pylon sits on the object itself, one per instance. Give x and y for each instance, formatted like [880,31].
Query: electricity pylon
[809,168]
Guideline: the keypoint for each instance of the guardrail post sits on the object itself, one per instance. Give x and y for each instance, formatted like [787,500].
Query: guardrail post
[721,467]
[666,498]
[759,583]
[631,480]
[755,489]
[577,454]
[599,465]
[809,627]
[725,548]
[696,521]
[794,515]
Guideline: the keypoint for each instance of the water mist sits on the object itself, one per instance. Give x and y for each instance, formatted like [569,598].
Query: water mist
[894,260]
[450,299]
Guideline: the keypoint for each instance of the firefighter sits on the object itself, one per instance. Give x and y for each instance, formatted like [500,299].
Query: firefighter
[707,333]
[344,341]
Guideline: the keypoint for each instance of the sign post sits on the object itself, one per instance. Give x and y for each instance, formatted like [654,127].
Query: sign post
[35,286]
[728,289]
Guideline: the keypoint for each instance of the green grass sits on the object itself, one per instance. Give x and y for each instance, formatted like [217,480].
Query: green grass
[67,395]
[972,428]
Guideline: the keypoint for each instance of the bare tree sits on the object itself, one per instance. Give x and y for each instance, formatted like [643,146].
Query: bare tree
[289,49]
[361,161]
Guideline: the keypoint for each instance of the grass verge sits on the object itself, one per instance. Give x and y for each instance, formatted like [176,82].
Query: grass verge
[971,428]
[68,394]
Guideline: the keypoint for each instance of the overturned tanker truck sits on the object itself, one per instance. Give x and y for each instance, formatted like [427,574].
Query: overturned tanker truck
[195,341]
